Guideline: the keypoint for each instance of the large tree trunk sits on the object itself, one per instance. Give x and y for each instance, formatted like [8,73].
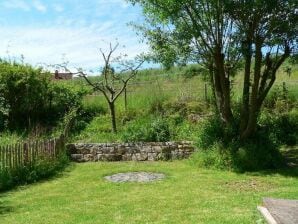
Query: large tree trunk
[244,115]
[113,116]
[254,107]
[222,89]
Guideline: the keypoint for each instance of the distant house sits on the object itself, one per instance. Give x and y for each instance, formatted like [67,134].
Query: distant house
[63,75]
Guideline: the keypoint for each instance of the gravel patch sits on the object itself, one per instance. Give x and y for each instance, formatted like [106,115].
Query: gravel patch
[135,177]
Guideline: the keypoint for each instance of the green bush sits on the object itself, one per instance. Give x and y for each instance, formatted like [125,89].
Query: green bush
[256,154]
[211,131]
[283,128]
[280,100]
[28,97]
[23,92]
[147,130]
[216,156]
[191,71]
[221,148]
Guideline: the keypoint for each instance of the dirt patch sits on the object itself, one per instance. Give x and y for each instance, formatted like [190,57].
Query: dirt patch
[249,185]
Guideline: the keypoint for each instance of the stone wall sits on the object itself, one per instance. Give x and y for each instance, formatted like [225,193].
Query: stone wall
[153,151]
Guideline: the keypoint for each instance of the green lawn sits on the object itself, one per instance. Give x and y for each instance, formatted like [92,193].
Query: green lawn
[188,195]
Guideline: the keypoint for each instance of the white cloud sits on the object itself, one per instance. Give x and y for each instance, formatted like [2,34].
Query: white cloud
[77,32]
[80,45]
[39,6]
[16,4]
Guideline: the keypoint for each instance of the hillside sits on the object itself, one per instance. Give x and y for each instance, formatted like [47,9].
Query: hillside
[182,96]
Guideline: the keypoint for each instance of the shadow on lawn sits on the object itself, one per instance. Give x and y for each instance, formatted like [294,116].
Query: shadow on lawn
[59,174]
[291,170]
[5,208]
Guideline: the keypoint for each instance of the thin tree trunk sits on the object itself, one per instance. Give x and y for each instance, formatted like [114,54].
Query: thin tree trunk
[113,116]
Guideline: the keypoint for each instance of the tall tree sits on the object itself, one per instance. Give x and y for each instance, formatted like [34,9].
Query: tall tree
[220,33]
[268,31]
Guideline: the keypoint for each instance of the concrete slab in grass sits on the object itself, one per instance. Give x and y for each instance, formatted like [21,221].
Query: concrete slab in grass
[280,211]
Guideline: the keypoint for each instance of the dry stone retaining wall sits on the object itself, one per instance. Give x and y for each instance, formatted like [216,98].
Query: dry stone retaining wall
[153,151]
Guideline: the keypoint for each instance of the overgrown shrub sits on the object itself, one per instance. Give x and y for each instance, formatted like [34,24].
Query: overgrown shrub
[147,130]
[222,148]
[23,91]
[256,154]
[280,100]
[191,71]
[283,128]
[28,97]
[216,156]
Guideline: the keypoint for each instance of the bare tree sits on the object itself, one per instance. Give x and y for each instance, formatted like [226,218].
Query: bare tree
[112,84]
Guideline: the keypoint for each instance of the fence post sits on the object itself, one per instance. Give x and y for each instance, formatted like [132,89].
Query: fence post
[26,156]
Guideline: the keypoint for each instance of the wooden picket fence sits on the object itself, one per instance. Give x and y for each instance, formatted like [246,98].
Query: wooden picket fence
[25,154]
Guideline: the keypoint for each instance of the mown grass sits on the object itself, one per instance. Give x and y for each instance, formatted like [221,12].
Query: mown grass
[187,195]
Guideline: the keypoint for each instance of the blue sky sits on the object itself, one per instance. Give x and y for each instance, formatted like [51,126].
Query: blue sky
[45,31]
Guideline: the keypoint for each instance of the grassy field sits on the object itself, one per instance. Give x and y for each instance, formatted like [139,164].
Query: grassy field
[152,88]
[187,195]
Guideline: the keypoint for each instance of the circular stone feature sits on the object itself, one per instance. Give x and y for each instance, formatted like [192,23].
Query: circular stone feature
[135,177]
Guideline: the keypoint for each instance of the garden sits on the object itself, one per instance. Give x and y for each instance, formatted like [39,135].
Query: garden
[203,138]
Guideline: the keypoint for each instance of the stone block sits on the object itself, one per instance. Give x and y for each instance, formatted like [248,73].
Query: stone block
[112,157]
[88,157]
[121,150]
[142,156]
[77,157]
[157,148]
[127,157]
[166,149]
[146,149]
[152,156]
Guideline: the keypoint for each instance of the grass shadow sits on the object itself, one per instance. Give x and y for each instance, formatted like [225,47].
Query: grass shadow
[4,208]
[64,172]
[290,155]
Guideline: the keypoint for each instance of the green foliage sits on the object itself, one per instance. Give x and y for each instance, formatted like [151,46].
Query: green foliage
[23,91]
[29,98]
[7,138]
[280,100]
[221,148]
[283,129]
[192,70]
[211,131]
[147,130]
[65,96]
[258,153]
[216,156]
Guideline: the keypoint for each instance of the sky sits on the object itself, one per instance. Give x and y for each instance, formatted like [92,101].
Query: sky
[53,31]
